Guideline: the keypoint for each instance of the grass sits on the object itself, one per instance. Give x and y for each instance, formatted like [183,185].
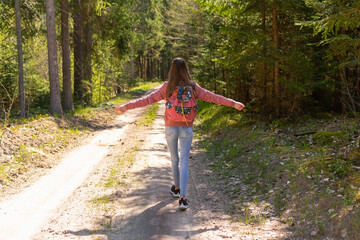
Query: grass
[150,115]
[302,177]
[50,134]
[117,175]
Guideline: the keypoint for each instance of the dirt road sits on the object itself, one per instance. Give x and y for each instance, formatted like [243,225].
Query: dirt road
[117,187]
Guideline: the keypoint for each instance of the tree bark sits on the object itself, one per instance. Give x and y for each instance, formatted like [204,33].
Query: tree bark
[20,59]
[140,67]
[343,81]
[87,51]
[55,99]
[78,55]
[276,42]
[263,73]
[149,67]
[215,82]
[163,68]
[160,68]
[68,104]
[357,87]
[149,76]
[132,66]
[145,67]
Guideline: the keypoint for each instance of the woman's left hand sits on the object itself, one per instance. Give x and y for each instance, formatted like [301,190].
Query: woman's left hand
[239,106]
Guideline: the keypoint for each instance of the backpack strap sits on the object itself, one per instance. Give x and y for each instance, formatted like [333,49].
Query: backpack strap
[182,111]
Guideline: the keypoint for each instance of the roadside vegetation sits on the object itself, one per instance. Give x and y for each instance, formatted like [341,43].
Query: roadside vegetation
[28,145]
[307,172]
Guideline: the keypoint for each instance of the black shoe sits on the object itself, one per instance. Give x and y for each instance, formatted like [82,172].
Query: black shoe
[175,193]
[183,204]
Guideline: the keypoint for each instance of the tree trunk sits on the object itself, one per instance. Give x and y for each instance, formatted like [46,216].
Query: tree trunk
[215,77]
[347,100]
[276,42]
[163,68]
[159,68]
[148,74]
[152,68]
[357,87]
[132,66]
[263,75]
[20,59]
[65,45]
[140,67]
[87,51]
[226,79]
[78,55]
[145,67]
[344,89]
[55,98]
[87,66]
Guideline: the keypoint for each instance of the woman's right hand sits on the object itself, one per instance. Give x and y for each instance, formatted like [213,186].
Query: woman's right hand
[120,110]
[239,106]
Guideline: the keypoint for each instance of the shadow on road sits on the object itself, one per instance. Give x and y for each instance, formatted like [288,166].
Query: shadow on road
[146,209]
[153,223]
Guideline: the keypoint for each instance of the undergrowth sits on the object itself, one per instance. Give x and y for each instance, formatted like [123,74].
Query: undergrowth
[308,171]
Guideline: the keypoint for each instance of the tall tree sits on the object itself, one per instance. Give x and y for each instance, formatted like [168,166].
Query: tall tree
[20,58]
[55,99]
[78,53]
[87,49]
[263,74]
[66,62]
[276,70]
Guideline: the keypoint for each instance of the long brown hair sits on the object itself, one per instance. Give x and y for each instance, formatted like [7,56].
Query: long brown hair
[179,75]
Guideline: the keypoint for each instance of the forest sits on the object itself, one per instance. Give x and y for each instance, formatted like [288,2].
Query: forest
[292,154]
[281,58]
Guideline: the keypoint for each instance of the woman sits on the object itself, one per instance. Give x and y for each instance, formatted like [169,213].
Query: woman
[179,131]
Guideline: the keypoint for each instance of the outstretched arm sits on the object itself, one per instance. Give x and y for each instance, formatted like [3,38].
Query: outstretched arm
[142,102]
[208,96]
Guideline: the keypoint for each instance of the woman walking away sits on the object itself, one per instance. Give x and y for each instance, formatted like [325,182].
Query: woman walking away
[180,93]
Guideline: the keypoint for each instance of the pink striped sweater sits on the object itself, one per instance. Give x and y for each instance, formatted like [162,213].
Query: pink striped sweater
[160,94]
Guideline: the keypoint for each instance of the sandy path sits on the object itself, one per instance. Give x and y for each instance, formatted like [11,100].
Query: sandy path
[77,205]
[141,208]
[32,207]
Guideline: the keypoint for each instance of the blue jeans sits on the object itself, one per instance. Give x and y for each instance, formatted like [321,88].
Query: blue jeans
[184,135]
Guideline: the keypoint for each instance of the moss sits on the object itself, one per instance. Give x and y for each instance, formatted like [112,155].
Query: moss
[354,157]
[242,124]
[325,137]
[337,167]
[322,115]
[357,197]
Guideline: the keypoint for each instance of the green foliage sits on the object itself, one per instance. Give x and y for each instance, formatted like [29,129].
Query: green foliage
[114,25]
[8,60]
[229,46]
[325,137]
[301,177]
[35,56]
[337,22]
[238,53]
[36,72]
